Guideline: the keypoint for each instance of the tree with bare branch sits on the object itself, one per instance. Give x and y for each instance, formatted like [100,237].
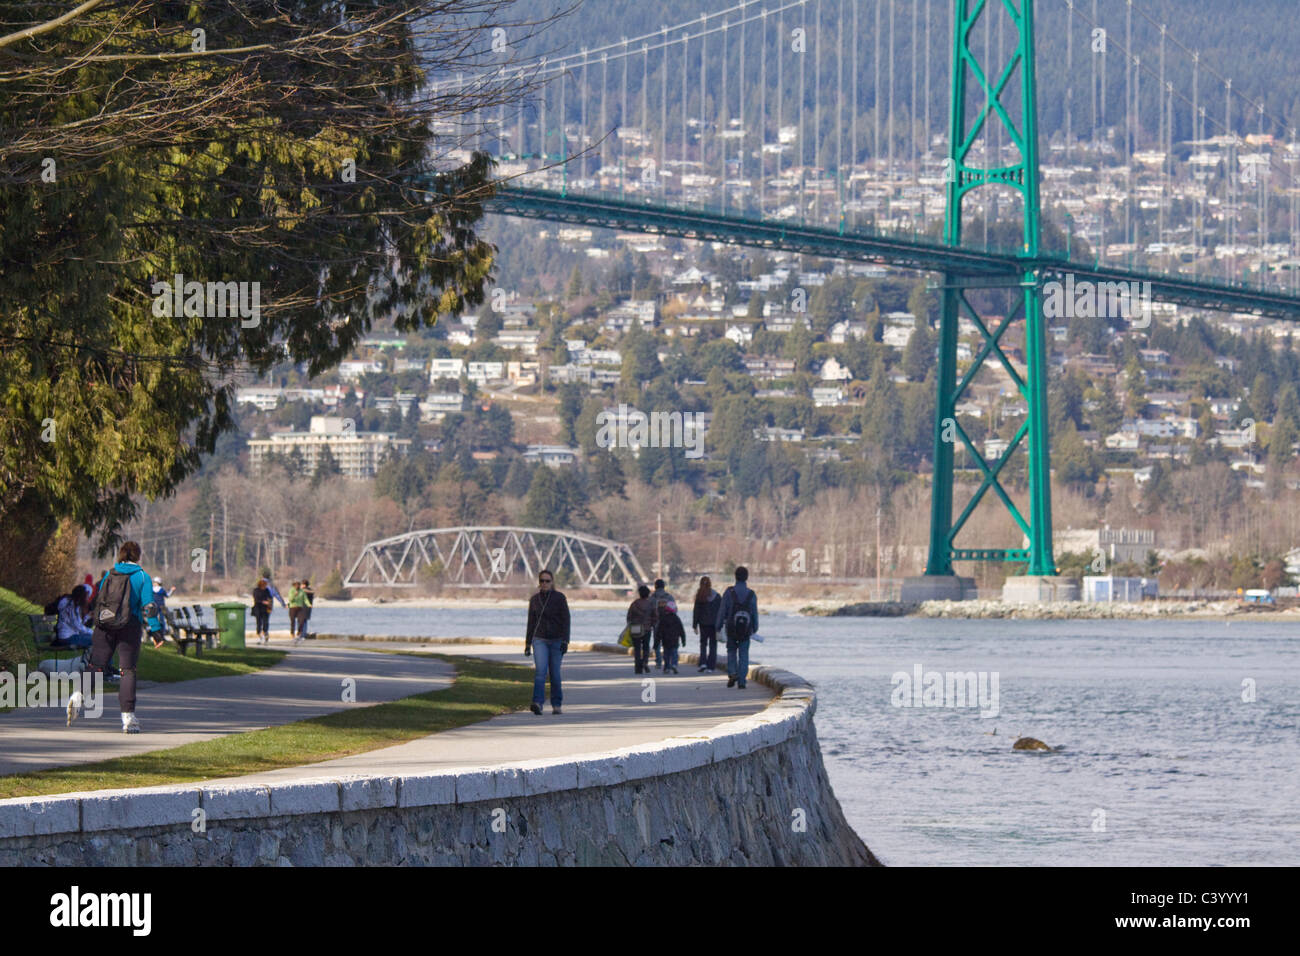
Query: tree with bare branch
[189,189]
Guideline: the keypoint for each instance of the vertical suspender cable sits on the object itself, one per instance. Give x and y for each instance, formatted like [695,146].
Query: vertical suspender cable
[622,127]
[889,120]
[604,116]
[1229,182]
[1164,138]
[742,91]
[643,139]
[1069,83]
[582,133]
[818,165]
[875,95]
[839,109]
[783,44]
[723,118]
[1196,139]
[686,68]
[802,112]
[857,84]
[911,98]
[1096,116]
[762,117]
[663,112]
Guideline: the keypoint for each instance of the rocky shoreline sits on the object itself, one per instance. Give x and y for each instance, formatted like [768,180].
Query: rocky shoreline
[1064,610]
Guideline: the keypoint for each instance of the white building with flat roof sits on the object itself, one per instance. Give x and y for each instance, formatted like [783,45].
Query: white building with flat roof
[358,453]
[555,456]
[452,368]
[438,405]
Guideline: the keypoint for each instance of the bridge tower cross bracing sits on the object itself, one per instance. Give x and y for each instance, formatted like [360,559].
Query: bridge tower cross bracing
[986,82]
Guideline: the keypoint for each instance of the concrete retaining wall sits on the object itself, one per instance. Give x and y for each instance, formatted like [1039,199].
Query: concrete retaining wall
[751,791]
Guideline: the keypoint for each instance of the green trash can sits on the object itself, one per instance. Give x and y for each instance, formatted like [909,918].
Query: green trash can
[231,622]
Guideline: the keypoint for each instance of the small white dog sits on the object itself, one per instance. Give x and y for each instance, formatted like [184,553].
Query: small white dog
[76,705]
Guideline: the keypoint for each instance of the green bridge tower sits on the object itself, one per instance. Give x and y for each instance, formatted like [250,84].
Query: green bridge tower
[976,106]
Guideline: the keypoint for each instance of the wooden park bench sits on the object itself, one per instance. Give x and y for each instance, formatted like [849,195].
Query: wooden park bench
[183,634]
[197,627]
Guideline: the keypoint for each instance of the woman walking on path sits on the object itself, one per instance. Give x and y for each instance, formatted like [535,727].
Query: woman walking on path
[547,639]
[641,619]
[704,622]
[262,610]
[297,612]
[122,611]
[305,615]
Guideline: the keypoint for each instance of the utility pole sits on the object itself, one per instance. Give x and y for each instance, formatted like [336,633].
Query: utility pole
[659,534]
[212,528]
[877,554]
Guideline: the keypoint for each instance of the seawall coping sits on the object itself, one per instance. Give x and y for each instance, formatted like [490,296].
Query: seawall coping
[306,796]
[236,802]
[362,792]
[129,809]
[786,716]
[38,816]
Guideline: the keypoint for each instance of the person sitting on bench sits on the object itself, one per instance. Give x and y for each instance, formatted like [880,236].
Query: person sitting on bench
[71,630]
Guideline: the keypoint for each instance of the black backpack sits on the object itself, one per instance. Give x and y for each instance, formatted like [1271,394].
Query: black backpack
[53,607]
[112,609]
[740,623]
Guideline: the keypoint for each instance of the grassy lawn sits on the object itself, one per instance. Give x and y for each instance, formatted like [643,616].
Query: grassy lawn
[167,666]
[15,630]
[163,666]
[482,689]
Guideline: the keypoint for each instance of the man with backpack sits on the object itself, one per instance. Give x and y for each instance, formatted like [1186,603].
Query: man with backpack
[738,619]
[122,610]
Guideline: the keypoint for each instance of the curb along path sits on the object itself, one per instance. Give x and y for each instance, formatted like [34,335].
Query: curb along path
[307,683]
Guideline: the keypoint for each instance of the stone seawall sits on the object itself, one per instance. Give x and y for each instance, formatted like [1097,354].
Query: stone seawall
[750,792]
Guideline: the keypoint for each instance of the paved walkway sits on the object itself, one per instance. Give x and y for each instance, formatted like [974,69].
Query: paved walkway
[604,709]
[307,683]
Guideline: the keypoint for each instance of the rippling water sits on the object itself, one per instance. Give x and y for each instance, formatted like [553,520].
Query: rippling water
[1161,762]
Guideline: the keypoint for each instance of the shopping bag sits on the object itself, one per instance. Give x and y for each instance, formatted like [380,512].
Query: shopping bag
[626,637]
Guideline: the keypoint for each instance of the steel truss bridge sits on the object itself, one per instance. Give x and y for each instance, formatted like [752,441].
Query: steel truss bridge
[496,557]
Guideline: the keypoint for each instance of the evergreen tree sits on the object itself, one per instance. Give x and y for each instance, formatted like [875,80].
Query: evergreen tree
[574,289]
[609,475]
[327,466]
[569,408]
[547,504]
[918,357]
[519,478]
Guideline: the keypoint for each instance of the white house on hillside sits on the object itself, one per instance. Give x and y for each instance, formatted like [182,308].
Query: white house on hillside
[833,371]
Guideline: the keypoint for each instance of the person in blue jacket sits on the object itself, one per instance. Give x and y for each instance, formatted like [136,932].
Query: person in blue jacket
[125,640]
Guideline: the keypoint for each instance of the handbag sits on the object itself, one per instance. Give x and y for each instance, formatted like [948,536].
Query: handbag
[625,638]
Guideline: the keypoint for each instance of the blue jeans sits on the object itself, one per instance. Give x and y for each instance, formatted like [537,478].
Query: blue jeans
[547,656]
[670,656]
[658,642]
[738,659]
